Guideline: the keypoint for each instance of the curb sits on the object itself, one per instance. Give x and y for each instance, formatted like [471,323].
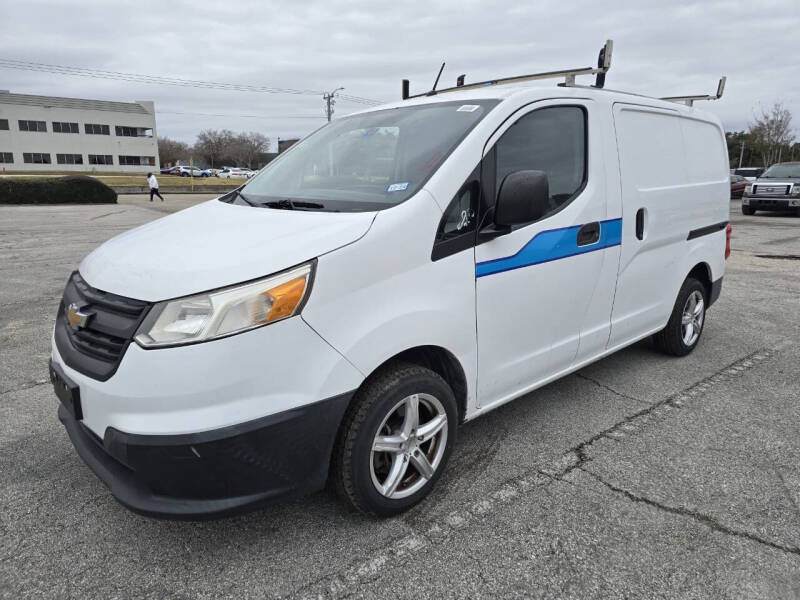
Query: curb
[201,189]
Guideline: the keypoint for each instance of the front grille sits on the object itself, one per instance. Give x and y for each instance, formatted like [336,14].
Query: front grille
[97,347]
[770,190]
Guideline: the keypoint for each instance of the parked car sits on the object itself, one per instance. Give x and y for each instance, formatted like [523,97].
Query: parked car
[777,189]
[738,183]
[234,173]
[167,170]
[351,319]
[749,173]
[185,171]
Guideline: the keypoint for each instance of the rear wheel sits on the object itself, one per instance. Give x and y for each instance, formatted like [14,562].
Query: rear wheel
[748,210]
[395,440]
[685,324]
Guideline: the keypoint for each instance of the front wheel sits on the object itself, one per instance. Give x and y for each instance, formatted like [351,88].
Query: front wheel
[748,210]
[685,324]
[395,439]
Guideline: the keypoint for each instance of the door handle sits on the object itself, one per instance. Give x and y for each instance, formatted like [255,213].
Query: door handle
[640,224]
[589,234]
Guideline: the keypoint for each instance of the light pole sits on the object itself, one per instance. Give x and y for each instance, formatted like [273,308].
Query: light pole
[330,101]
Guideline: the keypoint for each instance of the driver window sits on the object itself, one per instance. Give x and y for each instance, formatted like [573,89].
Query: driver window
[552,140]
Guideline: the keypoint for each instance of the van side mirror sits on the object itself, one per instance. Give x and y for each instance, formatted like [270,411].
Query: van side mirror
[524,197]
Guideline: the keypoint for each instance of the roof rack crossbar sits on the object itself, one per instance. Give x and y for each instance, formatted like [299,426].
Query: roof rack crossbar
[690,100]
[604,64]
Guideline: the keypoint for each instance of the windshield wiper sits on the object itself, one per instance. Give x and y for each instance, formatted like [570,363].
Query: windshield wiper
[288,204]
[236,192]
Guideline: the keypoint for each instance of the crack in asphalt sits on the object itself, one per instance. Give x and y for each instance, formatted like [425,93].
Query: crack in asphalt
[706,520]
[25,386]
[342,583]
[119,212]
[610,389]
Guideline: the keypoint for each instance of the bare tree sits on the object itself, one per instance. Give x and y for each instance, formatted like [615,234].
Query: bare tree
[247,146]
[171,151]
[213,145]
[771,131]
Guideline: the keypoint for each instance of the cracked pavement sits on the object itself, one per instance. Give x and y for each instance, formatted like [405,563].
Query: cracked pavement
[640,476]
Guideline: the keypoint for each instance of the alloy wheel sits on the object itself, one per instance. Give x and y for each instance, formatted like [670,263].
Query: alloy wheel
[692,318]
[409,446]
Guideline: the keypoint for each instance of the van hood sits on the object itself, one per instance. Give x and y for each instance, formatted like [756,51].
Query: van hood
[215,244]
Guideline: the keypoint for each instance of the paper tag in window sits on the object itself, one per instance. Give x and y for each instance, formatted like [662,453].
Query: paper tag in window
[468,108]
[397,187]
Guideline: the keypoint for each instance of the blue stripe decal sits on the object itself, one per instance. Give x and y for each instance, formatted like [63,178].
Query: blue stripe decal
[553,244]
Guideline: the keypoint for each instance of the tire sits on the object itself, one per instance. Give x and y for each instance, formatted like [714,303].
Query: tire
[675,338]
[748,210]
[386,483]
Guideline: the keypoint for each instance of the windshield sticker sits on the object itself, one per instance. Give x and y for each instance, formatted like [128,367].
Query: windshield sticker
[468,108]
[397,187]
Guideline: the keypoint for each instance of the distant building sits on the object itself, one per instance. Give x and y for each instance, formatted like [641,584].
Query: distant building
[44,133]
[284,145]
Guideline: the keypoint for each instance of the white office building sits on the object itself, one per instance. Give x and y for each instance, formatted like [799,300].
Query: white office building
[44,133]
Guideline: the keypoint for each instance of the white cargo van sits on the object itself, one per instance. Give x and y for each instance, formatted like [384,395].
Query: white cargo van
[398,272]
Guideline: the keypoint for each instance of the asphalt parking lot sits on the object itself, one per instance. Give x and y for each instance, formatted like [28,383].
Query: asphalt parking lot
[639,476]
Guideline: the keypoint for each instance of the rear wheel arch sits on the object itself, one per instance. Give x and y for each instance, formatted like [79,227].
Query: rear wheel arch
[701,272]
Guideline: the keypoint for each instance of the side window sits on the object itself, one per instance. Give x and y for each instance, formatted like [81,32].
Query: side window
[552,140]
[457,227]
[459,218]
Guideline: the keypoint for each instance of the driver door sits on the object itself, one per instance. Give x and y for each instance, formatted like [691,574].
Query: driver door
[536,285]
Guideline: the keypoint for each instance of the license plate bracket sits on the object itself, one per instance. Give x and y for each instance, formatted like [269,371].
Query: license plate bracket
[68,391]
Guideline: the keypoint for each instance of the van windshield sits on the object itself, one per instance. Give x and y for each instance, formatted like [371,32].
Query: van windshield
[365,162]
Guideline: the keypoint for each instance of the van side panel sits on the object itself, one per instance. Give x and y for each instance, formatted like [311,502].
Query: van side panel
[672,169]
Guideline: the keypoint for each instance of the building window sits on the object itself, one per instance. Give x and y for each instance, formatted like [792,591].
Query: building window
[137,161]
[36,158]
[93,129]
[6,158]
[59,127]
[69,159]
[4,124]
[124,131]
[101,159]
[32,126]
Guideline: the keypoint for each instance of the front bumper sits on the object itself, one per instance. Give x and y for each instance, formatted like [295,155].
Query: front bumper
[767,203]
[214,473]
[208,429]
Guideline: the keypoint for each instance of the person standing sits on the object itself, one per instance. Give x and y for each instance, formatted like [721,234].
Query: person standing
[153,182]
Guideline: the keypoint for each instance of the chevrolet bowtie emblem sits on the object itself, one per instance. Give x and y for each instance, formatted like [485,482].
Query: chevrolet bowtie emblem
[75,317]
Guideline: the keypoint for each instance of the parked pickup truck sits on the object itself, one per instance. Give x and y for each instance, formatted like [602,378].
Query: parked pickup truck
[778,188]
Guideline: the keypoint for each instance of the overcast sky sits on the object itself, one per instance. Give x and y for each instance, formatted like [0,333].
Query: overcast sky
[661,48]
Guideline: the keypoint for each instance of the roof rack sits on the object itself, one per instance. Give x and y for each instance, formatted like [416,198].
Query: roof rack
[603,65]
[689,100]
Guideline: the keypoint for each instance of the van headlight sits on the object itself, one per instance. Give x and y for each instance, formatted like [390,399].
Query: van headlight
[226,311]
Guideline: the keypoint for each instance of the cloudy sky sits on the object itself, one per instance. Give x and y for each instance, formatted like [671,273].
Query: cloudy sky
[661,48]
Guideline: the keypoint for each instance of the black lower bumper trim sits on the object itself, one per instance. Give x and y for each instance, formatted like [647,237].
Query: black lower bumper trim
[766,204]
[217,473]
[716,290]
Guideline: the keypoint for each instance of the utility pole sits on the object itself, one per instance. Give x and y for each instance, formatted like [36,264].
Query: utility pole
[741,154]
[329,102]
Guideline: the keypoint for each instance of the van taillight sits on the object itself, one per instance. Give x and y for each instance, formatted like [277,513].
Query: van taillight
[728,231]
